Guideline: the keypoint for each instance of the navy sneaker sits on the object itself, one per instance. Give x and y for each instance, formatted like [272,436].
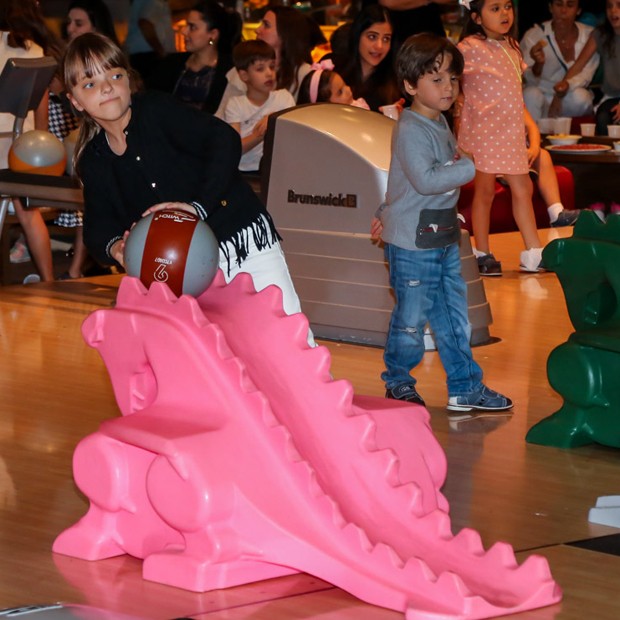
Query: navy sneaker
[488,266]
[406,392]
[567,217]
[483,399]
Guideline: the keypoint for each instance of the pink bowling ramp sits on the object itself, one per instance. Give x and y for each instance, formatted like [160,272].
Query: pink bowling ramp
[238,458]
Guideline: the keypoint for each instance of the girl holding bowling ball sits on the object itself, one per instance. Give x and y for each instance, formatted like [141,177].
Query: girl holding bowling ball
[142,152]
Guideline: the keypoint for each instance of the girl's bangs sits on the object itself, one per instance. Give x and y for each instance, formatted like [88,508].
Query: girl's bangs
[95,61]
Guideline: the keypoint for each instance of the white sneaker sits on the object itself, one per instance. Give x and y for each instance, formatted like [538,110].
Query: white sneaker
[531,260]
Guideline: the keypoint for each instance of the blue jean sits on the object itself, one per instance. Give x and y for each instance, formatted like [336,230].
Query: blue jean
[429,288]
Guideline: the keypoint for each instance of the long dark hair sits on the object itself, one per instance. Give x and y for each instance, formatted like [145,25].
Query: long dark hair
[472,28]
[607,37]
[226,21]
[99,16]
[381,86]
[23,20]
[298,35]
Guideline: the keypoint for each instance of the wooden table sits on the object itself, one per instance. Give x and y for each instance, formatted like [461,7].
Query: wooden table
[595,174]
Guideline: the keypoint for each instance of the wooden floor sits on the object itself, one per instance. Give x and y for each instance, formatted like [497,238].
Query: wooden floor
[54,390]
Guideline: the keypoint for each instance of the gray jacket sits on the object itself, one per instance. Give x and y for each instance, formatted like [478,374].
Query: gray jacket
[423,184]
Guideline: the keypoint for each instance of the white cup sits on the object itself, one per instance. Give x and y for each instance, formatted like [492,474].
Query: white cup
[587,129]
[546,125]
[613,131]
[391,111]
[561,125]
[617,147]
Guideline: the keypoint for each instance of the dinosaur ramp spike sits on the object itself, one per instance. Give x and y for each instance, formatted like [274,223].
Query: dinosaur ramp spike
[538,567]
[356,535]
[501,554]
[411,496]
[384,554]
[470,541]
[129,289]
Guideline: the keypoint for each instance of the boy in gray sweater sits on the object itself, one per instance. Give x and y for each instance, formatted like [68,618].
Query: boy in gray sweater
[419,225]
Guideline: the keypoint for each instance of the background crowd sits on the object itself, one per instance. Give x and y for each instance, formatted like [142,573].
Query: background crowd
[187,48]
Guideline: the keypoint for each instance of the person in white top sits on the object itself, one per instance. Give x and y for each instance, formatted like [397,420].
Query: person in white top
[255,62]
[292,35]
[550,49]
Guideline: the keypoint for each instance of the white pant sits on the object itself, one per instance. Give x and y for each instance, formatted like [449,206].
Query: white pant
[267,266]
[578,102]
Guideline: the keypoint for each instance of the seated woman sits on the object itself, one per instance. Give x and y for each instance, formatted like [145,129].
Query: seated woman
[604,41]
[292,35]
[550,49]
[198,76]
[368,67]
[88,16]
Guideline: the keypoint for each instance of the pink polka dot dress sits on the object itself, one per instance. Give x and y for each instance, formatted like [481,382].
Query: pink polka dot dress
[492,119]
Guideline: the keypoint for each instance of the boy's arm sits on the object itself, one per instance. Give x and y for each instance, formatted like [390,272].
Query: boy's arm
[255,137]
[233,115]
[427,175]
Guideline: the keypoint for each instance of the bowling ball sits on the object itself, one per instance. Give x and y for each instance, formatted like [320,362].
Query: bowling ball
[174,247]
[38,152]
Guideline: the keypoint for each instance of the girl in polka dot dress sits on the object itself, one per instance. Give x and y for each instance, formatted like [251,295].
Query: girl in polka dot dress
[491,126]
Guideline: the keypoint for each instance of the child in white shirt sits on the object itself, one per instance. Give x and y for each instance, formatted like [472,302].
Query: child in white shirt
[255,62]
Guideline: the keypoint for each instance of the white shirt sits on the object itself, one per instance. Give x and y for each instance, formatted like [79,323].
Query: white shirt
[555,66]
[241,110]
[237,87]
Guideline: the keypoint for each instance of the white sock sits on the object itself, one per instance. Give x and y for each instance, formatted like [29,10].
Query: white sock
[531,259]
[554,211]
[478,253]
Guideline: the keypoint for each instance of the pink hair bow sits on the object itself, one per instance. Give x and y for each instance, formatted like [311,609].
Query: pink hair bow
[323,65]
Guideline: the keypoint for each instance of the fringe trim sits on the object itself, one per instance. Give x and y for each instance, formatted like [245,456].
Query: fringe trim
[264,235]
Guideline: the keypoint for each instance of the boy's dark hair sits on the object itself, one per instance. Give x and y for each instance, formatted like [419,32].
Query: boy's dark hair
[248,52]
[424,53]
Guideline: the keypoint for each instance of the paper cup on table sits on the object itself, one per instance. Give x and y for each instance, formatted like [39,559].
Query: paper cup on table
[546,125]
[391,111]
[617,147]
[587,129]
[613,131]
[561,125]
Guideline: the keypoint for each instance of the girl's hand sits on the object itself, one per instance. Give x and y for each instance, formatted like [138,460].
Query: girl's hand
[180,206]
[376,228]
[533,151]
[616,113]
[117,251]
